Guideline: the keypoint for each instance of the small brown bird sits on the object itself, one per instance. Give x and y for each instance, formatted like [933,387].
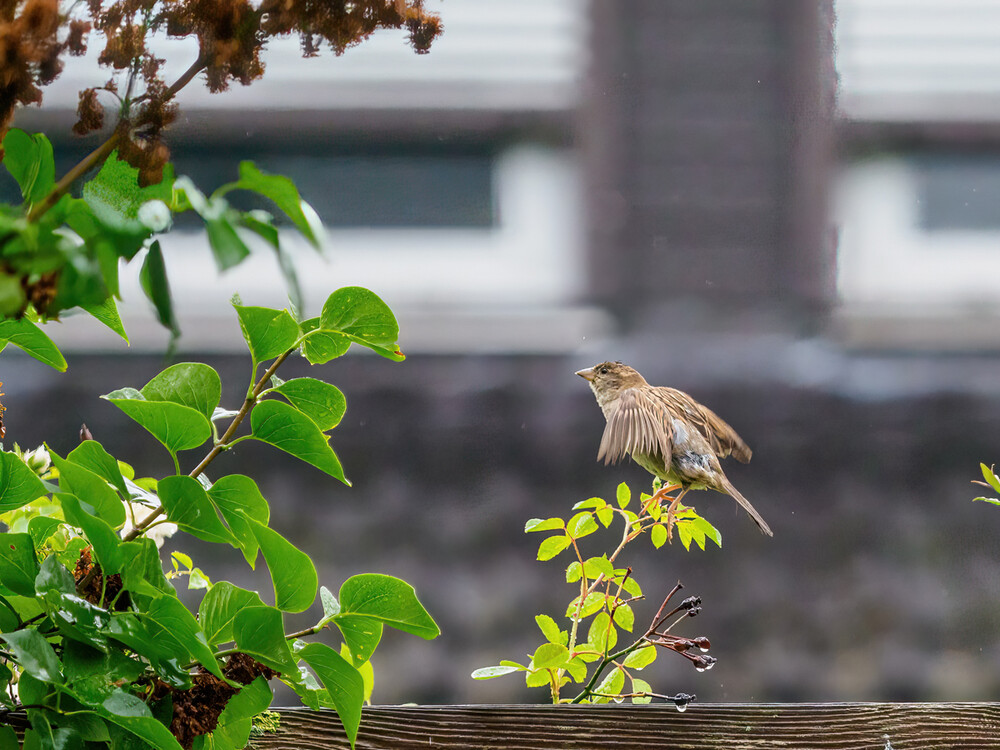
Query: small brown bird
[666,432]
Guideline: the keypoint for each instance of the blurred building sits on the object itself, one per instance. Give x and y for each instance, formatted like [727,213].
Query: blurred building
[563,182]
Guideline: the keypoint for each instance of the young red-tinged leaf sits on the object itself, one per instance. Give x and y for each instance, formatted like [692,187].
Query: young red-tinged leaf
[259,632]
[623,495]
[18,484]
[293,574]
[549,656]
[342,681]
[552,546]
[581,525]
[641,657]
[219,607]
[658,535]
[550,630]
[390,600]
[547,524]
[288,429]
[268,332]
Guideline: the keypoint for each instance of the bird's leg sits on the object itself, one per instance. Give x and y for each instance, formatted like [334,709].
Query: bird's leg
[673,509]
[659,495]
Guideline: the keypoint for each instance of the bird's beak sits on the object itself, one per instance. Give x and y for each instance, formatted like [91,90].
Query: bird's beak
[587,374]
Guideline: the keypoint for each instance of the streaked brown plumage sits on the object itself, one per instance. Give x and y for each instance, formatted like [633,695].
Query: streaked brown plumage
[650,423]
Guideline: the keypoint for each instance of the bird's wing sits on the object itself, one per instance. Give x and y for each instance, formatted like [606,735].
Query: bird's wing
[717,432]
[637,424]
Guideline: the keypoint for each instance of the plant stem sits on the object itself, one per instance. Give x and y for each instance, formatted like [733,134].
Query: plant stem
[102,152]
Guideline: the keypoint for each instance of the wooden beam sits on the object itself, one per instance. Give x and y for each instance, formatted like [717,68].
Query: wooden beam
[709,726]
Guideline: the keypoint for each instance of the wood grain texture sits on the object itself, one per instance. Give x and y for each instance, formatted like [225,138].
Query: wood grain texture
[733,726]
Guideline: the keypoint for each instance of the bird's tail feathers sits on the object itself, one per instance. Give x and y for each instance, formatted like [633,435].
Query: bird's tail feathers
[728,488]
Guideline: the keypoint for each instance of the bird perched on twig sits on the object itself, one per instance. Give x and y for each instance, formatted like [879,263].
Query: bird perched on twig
[666,432]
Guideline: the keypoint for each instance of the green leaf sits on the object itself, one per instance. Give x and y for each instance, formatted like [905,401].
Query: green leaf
[228,247]
[605,516]
[177,427]
[624,617]
[593,603]
[91,455]
[612,684]
[18,564]
[141,569]
[114,193]
[602,635]
[98,532]
[133,715]
[188,505]
[488,673]
[18,484]
[390,600]
[260,632]
[991,479]
[363,316]
[658,534]
[990,500]
[641,686]
[640,658]
[550,630]
[285,195]
[320,346]
[293,574]
[34,654]
[107,313]
[219,608]
[91,488]
[342,681]
[548,524]
[361,634]
[24,334]
[165,655]
[623,495]
[168,620]
[28,158]
[191,384]
[40,528]
[235,721]
[574,571]
[268,332]
[237,496]
[321,402]
[331,606]
[593,502]
[288,429]
[153,279]
[552,546]
[549,656]
[598,566]
[581,525]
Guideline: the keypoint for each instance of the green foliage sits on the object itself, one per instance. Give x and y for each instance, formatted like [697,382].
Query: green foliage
[66,257]
[603,606]
[992,481]
[95,636]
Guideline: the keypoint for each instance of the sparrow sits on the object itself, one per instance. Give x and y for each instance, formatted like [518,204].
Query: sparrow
[666,432]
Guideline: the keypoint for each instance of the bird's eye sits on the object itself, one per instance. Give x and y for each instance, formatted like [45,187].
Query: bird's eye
[603,371]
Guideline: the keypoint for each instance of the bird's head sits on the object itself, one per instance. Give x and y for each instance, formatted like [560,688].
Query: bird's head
[608,379]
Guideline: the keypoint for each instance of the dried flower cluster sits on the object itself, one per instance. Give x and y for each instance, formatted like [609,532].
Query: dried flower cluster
[35,34]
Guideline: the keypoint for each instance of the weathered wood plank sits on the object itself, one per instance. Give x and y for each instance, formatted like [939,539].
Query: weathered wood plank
[733,726]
